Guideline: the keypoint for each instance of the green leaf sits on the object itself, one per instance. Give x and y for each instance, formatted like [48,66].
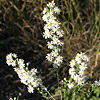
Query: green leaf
[97,94]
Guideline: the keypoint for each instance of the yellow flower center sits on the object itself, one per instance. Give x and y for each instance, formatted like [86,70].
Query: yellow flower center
[28,75]
[45,27]
[35,82]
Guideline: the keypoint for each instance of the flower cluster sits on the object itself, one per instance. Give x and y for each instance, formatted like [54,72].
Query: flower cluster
[77,70]
[53,32]
[27,77]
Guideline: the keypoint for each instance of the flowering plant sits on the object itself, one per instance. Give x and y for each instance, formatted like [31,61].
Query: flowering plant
[72,89]
[27,77]
[53,32]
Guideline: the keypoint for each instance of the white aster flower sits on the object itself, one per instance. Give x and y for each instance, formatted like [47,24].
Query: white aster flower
[56,63]
[59,59]
[30,79]
[57,10]
[55,29]
[50,14]
[77,56]
[81,72]
[21,65]
[45,10]
[49,57]
[14,55]
[23,80]
[20,61]
[52,19]
[78,60]
[34,71]
[35,84]
[72,63]
[45,27]
[80,81]
[76,78]
[55,41]
[51,4]
[72,72]
[54,53]
[13,63]
[30,89]
[60,43]
[45,17]
[50,45]
[47,34]
[16,69]
[70,85]
[83,66]
[60,33]
[86,58]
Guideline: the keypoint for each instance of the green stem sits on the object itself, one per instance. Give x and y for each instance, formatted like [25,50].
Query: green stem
[50,95]
[58,81]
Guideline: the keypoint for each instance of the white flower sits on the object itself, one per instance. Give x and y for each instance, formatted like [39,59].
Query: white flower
[45,27]
[51,4]
[30,79]
[50,45]
[72,72]
[52,20]
[34,71]
[35,84]
[60,33]
[81,72]
[47,34]
[27,77]
[16,69]
[24,80]
[77,56]
[83,66]
[49,57]
[78,60]
[60,43]
[14,55]
[13,63]
[45,17]
[70,85]
[72,63]
[76,77]
[50,14]
[55,29]
[86,58]
[80,81]
[45,10]
[21,65]
[56,63]
[54,53]
[59,59]
[9,59]
[49,25]
[81,55]
[30,89]
[20,61]
[57,10]
[55,41]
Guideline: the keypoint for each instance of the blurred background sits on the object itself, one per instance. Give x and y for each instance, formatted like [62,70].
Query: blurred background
[21,30]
